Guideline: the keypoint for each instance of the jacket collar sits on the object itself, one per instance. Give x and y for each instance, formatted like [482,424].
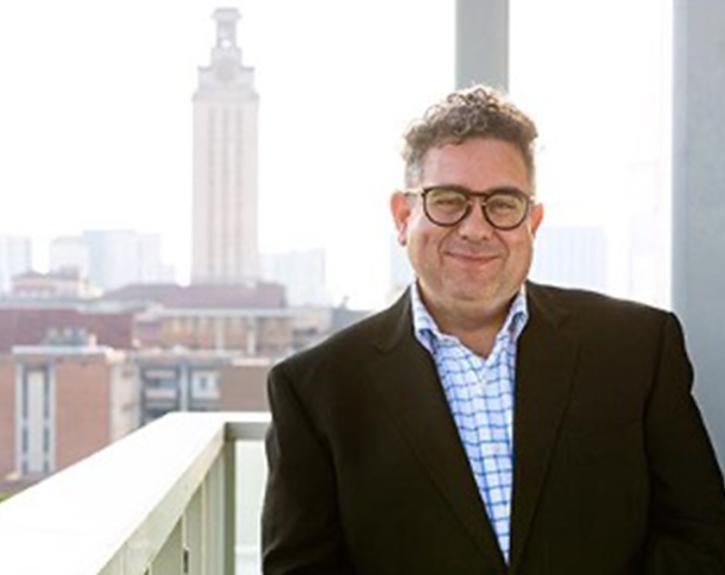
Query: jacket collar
[397,320]
[406,378]
[545,365]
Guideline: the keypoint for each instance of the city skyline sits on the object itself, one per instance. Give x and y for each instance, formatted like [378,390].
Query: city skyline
[112,150]
[115,145]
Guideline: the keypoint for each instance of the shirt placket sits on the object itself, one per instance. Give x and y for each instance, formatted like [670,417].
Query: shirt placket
[497,453]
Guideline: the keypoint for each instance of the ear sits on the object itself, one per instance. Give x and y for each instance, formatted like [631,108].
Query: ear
[537,215]
[400,209]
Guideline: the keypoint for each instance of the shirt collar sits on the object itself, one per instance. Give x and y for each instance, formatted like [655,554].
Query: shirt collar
[427,331]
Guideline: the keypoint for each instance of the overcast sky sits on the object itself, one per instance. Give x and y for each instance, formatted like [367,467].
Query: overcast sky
[96,113]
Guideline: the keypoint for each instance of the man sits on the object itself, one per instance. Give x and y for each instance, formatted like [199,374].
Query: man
[484,424]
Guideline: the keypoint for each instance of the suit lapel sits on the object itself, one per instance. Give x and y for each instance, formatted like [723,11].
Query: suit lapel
[406,377]
[546,359]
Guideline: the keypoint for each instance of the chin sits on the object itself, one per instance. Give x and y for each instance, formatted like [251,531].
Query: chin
[477,293]
[483,293]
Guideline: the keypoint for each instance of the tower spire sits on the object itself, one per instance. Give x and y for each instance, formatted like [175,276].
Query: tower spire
[226,27]
[226,48]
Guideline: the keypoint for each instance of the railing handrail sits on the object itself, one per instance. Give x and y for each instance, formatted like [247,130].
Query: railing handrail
[119,505]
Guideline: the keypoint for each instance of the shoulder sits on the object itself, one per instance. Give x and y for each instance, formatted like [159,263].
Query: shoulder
[620,342]
[335,372]
[600,315]
[349,349]
[591,304]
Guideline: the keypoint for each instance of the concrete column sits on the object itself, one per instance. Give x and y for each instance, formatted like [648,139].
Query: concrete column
[698,206]
[184,380]
[482,43]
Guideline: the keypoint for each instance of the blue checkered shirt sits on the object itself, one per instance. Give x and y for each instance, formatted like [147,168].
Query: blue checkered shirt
[480,395]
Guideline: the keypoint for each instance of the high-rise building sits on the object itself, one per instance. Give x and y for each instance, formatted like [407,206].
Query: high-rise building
[574,256]
[70,252]
[121,257]
[225,163]
[111,259]
[15,259]
[302,273]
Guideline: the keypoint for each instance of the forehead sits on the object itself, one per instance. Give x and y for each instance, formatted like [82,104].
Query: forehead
[476,163]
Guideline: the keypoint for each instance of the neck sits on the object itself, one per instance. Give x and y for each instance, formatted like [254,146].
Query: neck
[475,325]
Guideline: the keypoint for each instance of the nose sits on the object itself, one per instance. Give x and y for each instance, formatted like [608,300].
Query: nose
[475,226]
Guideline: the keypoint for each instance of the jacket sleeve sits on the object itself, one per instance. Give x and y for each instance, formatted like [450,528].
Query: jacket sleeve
[301,530]
[687,513]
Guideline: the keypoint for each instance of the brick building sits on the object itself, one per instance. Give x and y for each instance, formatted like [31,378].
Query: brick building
[252,318]
[52,325]
[200,380]
[59,404]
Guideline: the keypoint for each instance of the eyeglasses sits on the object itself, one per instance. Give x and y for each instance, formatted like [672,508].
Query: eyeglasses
[503,208]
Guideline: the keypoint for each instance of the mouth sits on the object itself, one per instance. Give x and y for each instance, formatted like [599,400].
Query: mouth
[471,258]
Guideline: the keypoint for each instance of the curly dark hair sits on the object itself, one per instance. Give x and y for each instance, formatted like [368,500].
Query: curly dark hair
[478,111]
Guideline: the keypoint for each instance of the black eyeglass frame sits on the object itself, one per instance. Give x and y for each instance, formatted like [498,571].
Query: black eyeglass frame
[484,197]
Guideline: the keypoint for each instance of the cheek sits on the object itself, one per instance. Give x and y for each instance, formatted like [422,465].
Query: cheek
[521,250]
[423,246]
[518,240]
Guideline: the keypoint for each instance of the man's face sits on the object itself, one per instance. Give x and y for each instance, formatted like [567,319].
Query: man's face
[471,265]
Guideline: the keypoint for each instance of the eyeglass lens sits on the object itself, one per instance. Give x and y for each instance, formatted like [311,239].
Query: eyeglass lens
[505,209]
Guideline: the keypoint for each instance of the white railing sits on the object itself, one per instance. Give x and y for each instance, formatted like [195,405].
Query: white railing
[159,501]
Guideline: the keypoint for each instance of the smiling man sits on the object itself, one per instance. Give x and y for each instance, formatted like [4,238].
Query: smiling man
[484,424]
[471,250]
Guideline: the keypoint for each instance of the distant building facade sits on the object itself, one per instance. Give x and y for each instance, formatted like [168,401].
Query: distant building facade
[50,324]
[225,163]
[251,332]
[251,318]
[64,283]
[302,273]
[243,385]
[121,257]
[16,257]
[571,257]
[70,252]
[187,380]
[111,259]
[59,404]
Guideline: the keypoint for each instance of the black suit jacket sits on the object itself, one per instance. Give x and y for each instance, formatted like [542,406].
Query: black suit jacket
[613,470]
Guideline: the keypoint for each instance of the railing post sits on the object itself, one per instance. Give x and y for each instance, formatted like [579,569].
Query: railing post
[169,560]
[193,534]
[214,518]
[230,507]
